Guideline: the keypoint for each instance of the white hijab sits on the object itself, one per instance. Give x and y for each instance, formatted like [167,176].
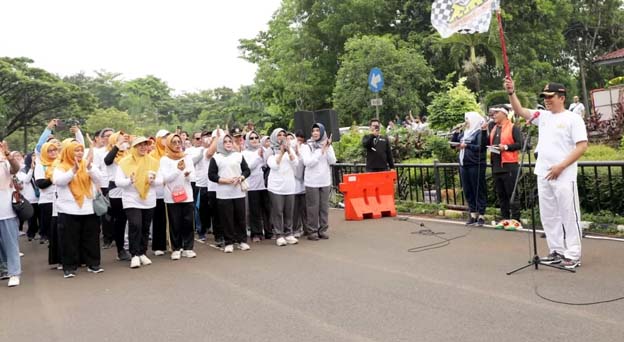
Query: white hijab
[474,122]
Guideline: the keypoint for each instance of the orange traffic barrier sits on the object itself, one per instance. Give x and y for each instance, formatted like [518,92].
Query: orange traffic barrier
[368,195]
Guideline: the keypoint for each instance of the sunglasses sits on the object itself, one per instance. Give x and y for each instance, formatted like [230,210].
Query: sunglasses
[253,138]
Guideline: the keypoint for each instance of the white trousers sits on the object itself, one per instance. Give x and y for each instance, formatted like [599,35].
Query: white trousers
[561,216]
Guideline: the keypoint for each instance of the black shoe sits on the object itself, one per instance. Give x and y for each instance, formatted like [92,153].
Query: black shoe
[43,240]
[268,236]
[313,237]
[471,221]
[68,274]
[107,245]
[552,259]
[123,255]
[95,269]
[323,235]
[220,243]
[480,221]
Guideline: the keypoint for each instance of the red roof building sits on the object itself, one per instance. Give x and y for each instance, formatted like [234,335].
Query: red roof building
[611,58]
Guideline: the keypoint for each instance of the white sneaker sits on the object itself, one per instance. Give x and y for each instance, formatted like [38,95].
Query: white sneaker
[175,255]
[159,253]
[21,255]
[145,260]
[244,247]
[135,262]
[188,254]
[14,281]
[291,240]
[228,249]
[281,242]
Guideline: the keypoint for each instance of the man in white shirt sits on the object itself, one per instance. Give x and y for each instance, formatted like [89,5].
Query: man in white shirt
[562,141]
[577,107]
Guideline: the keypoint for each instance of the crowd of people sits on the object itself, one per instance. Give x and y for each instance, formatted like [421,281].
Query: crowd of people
[236,185]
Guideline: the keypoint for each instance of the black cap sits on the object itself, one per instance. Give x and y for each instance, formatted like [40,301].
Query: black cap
[552,89]
[236,132]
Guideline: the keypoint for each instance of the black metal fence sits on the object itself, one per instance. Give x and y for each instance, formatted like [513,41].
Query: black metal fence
[600,184]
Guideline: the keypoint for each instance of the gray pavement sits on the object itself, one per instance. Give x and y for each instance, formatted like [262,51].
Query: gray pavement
[360,285]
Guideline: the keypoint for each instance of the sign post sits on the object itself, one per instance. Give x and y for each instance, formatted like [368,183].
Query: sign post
[375,84]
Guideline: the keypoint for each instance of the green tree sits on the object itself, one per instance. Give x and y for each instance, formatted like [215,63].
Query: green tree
[29,96]
[448,107]
[406,76]
[110,117]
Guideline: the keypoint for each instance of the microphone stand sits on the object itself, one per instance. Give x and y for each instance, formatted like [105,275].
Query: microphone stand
[535,261]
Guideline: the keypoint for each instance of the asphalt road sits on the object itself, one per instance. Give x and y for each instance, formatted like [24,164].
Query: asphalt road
[360,285]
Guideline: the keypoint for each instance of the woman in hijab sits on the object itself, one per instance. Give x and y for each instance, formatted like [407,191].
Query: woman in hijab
[117,148]
[176,171]
[257,196]
[43,180]
[77,182]
[30,192]
[229,170]
[138,174]
[10,263]
[472,145]
[318,156]
[159,220]
[281,186]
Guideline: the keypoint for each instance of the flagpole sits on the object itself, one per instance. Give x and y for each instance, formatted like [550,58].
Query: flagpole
[501,34]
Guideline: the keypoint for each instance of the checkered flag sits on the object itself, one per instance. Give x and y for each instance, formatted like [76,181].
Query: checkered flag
[462,16]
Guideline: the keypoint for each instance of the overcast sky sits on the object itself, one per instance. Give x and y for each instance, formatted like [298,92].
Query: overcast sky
[192,45]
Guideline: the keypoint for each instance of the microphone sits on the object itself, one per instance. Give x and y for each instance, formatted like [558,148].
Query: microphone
[535,116]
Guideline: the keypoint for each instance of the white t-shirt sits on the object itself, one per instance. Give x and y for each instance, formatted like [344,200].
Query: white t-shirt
[131,197]
[45,195]
[6,210]
[65,203]
[577,108]
[318,166]
[195,153]
[98,162]
[229,167]
[201,171]
[174,177]
[255,163]
[282,177]
[27,188]
[558,135]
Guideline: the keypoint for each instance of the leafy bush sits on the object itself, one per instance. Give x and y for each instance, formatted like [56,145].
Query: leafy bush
[349,149]
[597,152]
[440,149]
[448,107]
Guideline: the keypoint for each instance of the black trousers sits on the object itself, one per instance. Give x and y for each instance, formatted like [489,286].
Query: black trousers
[107,222]
[232,217]
[45,219]
[159,226]
[33,222]
[139,221]
[300,213]
[119,219]
[208,212]
[80,239]
[181,229]
[54,242]
[259,212]
[208,207]
[504,184]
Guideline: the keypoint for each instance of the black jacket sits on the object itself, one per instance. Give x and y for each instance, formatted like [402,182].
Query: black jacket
[378,153]
[476,149]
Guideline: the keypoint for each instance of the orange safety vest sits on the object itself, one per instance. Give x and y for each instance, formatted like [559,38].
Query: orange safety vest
[506,138]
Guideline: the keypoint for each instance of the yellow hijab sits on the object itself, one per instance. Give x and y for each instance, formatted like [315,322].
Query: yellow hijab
[170,152]
[112,140]
[160,149]
[80,186]
[47,161]
[140,166]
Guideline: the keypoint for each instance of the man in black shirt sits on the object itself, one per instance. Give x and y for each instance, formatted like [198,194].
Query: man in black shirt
[505,140]
[378,153]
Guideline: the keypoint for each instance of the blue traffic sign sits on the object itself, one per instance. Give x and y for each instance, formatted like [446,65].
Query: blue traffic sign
[375,80]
